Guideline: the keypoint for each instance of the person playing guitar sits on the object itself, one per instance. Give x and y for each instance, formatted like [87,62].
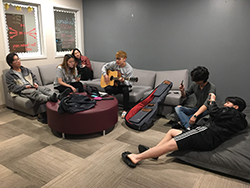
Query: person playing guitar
[122,85]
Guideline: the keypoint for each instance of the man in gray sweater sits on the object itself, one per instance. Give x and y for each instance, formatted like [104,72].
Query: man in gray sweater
[122,86]
[21,81]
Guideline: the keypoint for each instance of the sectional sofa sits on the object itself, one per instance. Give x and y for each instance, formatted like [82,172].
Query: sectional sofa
[147,81]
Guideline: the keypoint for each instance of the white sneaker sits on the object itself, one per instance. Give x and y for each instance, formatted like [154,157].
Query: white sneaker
[123,114]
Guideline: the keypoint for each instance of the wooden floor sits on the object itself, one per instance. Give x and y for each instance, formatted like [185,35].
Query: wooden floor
[31,156]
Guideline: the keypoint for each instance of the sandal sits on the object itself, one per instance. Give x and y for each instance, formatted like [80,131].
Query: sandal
[127,160]
[123,114]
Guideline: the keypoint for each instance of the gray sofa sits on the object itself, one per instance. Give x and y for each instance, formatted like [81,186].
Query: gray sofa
[148,80]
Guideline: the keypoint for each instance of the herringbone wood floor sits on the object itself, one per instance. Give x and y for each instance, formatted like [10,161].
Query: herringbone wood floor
[31,156]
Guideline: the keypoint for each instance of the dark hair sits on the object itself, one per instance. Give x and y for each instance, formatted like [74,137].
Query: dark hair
[237,101]
[10,58]
[200,73]
[73,52]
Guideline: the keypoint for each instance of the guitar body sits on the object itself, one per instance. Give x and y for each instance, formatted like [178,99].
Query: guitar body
[111,74]
[114,78]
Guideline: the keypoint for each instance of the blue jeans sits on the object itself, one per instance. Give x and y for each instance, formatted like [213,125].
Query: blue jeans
[185,113]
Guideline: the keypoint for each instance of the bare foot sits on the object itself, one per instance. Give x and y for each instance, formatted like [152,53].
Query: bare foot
[133,158]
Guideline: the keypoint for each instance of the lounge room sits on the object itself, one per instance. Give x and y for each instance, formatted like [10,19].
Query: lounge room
[163,37]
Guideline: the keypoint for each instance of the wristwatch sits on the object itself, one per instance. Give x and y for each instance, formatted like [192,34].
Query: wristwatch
[195,116]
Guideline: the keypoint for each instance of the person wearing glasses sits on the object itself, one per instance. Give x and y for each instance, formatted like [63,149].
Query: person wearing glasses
[66,76]
[83,65]
[22,82]
[122,86]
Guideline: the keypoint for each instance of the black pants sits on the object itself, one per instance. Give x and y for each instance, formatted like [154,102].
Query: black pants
[124,90]
[77,85]
[86,73]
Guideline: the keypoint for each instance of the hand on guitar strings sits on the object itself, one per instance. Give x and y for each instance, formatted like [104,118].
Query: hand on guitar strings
[106,78]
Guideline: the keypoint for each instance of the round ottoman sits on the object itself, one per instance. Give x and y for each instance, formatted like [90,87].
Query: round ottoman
[100,118]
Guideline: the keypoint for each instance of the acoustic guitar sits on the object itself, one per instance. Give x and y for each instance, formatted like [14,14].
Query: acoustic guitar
[113,77]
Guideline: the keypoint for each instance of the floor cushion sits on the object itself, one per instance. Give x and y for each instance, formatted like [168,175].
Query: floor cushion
[231,158]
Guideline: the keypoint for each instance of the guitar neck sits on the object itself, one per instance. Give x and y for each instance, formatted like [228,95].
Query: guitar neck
[117,78]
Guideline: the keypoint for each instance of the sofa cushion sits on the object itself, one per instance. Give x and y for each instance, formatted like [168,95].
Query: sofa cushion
[94,83]
[48,73]
[175,76]
[97,67]
[145,77]
[173,98]
[35,71]
[136,94]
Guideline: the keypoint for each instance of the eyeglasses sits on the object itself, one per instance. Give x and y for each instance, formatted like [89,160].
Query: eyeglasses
[118,59]
[15,60]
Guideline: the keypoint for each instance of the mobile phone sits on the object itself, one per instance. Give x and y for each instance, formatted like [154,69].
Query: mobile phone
[79,76]
[209,97]
[182,82]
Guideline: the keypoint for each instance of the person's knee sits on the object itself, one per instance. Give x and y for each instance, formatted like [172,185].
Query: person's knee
[108,90]
[177,108]
[174,132]
[125,90]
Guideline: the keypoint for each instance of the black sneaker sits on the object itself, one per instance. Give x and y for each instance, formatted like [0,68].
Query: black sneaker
[176,126]
[65,93]
[42,118]
[53,98]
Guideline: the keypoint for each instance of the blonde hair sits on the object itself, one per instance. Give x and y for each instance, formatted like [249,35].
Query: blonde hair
[121,54]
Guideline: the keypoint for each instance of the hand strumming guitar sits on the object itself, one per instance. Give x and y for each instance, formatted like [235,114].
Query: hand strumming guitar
[106,79]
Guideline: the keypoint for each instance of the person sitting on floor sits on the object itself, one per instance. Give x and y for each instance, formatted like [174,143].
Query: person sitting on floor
[21,81]
[222,124]
[122,86]
[65,73]
[200,88]
[83,65]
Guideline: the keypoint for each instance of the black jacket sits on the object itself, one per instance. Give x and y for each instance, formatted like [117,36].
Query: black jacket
[75,103]
[224,122]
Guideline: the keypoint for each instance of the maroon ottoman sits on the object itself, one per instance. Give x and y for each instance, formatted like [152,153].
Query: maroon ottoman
[100,118]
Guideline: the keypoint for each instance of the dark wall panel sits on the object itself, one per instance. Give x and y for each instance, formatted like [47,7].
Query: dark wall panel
[170,34]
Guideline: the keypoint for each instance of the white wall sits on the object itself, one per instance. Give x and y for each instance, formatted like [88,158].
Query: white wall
[48,33]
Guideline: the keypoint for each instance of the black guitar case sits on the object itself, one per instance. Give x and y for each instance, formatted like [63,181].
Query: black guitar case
[141,116]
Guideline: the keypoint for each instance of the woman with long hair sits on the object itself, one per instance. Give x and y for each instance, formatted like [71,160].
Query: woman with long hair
[83,65]
[66,73]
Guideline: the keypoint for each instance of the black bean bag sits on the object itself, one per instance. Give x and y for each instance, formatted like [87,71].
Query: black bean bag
[231,158]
